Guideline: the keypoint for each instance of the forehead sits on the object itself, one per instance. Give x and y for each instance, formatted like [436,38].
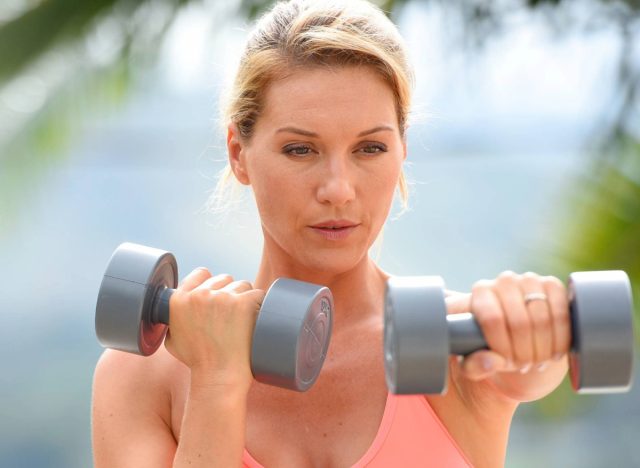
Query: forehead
[317,96]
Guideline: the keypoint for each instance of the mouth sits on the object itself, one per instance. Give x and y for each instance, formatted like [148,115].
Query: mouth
[335,224]
[335,229]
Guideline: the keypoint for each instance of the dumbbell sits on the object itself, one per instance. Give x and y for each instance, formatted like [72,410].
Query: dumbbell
[419,335]
[291,334]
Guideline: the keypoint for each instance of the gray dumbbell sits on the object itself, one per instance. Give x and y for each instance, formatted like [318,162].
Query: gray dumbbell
[291,335]
[419,335]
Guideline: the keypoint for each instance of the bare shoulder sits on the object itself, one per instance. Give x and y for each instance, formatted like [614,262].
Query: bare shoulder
[126,386]
[129,375]
[131,410]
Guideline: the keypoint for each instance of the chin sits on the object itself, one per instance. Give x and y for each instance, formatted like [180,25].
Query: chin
[332,262]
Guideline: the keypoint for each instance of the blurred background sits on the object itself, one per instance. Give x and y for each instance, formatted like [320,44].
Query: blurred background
[524,154]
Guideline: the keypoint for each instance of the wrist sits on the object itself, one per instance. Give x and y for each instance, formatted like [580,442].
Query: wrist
[229,383]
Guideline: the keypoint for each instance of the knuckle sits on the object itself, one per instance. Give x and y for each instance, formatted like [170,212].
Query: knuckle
[200,295]
[221,295]
[507,277]
[490,321]
[530,275]
[553,283]
[202,271]
[482,285]
[223,277]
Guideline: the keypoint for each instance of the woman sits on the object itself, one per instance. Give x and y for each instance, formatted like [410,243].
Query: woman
[316,126]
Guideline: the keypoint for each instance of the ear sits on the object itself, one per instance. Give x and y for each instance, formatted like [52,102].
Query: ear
[237,154]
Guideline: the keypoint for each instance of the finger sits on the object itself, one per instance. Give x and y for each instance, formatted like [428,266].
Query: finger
[194,279]
[482,364]
[457,303]
[217,281]
[237,287]
[559,304]
[517,317]
[487,311]
[257,295]
[540,317]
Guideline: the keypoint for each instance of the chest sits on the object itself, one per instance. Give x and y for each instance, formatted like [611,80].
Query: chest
[331,425]
[325,429]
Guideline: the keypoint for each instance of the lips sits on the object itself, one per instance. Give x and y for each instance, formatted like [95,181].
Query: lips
[334,230]
[335,224]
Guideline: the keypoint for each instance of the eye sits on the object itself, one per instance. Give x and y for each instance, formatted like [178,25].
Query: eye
[374,148]
[298,150]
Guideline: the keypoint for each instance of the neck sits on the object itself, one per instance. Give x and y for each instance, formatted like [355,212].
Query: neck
[357,293]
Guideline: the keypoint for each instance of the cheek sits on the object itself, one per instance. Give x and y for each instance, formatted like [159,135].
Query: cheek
[274,188]
[381,187]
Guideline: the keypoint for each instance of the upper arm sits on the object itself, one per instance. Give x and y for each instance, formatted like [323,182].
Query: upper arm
[128,429]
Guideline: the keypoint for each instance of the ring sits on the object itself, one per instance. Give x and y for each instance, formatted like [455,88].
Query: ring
[535,296]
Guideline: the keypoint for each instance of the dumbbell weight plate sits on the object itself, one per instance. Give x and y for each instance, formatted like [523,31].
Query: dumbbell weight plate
[133,276]
[292,334]
[416,337]
[601,358]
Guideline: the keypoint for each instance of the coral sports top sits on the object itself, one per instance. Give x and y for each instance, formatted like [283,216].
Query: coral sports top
[410,435]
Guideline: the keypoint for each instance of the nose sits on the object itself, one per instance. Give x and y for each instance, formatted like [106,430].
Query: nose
[337,184]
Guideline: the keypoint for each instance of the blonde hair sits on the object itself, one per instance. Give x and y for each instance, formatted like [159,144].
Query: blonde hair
[302,33]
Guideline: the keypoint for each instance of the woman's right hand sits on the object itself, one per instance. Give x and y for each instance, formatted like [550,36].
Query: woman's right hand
[211,323]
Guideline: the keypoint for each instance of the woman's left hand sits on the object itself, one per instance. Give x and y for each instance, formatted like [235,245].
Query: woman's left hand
[528,340]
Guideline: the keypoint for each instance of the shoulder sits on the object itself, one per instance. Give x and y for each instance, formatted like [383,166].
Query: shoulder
[131,380]
[131,410]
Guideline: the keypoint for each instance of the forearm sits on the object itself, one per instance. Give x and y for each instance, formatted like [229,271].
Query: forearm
[213,426]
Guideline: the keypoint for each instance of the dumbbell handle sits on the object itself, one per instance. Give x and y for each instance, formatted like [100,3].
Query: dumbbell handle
[465,335]
[160,309]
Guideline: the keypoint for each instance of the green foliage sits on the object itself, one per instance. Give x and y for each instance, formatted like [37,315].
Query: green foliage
[597,228]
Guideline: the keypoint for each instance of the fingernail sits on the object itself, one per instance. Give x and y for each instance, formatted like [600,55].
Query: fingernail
[542,367]
[525,369]
[487,363]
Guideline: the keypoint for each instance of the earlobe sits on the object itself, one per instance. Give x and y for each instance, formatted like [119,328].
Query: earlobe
[236,151]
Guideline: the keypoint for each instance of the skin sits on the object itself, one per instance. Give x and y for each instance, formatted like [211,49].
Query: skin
[300,180]
[334,177]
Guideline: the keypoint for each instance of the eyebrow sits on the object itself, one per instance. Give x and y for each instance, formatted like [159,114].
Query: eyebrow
[315,135]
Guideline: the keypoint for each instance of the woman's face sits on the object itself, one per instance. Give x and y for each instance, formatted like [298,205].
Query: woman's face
[323,163]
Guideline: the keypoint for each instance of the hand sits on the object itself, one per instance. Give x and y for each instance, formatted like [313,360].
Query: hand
[521,337]
[211,325]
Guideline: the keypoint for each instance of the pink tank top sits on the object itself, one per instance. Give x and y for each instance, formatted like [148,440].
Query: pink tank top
[410,435]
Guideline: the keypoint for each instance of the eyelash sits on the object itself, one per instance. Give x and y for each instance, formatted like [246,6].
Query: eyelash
[290,149]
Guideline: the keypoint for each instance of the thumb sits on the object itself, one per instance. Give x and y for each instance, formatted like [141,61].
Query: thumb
[482,364]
